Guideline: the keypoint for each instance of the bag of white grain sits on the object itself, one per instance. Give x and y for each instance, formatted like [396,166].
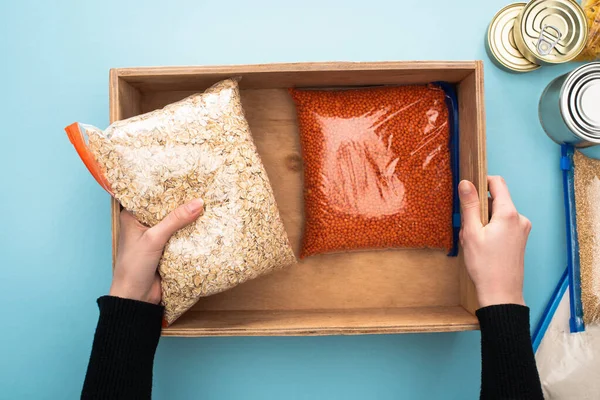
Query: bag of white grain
[568,362]
[199,147]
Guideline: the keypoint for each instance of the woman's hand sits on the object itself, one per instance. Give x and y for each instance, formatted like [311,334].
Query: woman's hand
[494,254]
[140,248]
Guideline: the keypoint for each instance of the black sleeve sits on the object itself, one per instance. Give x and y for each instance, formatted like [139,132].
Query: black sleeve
[123,351]
[508,369]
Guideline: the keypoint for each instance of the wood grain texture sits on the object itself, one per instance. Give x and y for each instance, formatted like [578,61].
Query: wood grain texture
[323,322]
[115,207]
[377,279]
[124,102]
[348,293]
[269,76]
[473,162]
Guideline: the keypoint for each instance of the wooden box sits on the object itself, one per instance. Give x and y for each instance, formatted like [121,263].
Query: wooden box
[339,294]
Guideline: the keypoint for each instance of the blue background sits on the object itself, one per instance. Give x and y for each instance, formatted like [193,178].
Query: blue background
[55,227]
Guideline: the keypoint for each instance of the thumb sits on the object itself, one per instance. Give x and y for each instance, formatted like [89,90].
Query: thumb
[469,204]
[177,219]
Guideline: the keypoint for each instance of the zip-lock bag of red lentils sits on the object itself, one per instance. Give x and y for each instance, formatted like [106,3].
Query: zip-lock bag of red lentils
[380,168]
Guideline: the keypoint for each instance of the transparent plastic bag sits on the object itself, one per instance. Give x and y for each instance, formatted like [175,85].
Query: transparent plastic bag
[568,363]
[587,206]
[199,147]
[377,168]
[591,51]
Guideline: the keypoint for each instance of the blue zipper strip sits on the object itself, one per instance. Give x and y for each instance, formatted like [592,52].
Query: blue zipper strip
[550,310]
[566,165]
[452,103]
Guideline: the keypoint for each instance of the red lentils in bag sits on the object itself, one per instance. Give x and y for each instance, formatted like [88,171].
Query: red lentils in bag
[377,168]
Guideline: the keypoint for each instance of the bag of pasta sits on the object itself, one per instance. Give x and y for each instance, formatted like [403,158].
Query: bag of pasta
[591,51]
[199,147]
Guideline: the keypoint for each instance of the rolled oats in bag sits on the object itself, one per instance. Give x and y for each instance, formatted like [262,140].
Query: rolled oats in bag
[199,147]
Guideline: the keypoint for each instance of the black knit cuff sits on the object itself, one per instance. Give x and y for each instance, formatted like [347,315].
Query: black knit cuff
[123,351]
[504,319]
[131,321]
[135,313]
[508,369]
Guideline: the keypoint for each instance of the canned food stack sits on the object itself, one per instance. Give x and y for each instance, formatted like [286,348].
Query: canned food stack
[524,36]
[569,109]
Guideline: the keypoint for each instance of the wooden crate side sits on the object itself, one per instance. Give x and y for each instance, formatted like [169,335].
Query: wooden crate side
[124,102]
[473,163]
[113,105]
[322,322]
[297,67]
[270,76]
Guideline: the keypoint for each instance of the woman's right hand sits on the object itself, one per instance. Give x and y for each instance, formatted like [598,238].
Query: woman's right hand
[140,249]
[494,254]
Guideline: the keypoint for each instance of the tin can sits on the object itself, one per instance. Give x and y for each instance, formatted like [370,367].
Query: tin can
[569,109]
[551,31]
[500,43]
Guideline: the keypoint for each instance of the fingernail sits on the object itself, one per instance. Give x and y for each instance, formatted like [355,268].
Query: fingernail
[195,205]
[464,188]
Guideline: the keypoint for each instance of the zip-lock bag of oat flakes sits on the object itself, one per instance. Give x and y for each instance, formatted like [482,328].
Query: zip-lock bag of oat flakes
[199,147]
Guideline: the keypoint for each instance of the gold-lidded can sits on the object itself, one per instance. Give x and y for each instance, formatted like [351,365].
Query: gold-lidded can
[551,32]
[500,43]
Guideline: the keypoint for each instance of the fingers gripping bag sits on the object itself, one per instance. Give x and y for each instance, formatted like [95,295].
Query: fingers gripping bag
[377,168]
[199,147]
